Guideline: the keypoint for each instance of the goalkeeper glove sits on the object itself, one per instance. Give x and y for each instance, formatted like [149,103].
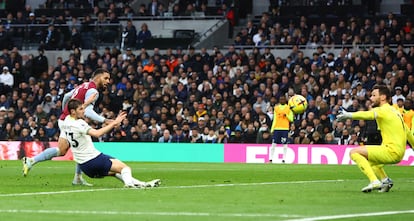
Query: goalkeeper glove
[343,115]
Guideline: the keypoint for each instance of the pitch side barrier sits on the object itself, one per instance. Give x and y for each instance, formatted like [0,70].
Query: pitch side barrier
[199,152]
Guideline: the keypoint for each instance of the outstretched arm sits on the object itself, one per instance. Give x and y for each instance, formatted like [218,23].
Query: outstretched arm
[108,127]
[359,115]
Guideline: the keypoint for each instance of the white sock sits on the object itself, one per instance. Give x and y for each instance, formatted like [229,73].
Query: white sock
[272,151]
[284,151]
[135,181]
[127,176]
[78,173]
[119,177]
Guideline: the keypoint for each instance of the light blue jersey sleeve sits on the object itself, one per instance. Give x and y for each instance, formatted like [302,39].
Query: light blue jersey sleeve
[66,98]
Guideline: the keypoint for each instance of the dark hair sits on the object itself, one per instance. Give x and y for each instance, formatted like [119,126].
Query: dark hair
[99,71]
[73,104]
[383,90]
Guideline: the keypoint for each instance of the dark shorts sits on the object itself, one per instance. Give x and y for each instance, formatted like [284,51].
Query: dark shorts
[280,136]
[97,167]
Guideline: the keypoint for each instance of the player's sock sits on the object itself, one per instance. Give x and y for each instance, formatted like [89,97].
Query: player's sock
[364,166]
[78,173]
[284,152]
[272,151]
[47,154]
[78,169]
[379,171]
[135,181]
[119,177]
[127,176]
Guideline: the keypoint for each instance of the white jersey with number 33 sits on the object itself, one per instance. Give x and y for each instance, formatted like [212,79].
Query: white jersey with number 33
[76,131]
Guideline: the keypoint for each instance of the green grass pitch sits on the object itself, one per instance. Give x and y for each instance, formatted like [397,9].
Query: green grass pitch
[205,191]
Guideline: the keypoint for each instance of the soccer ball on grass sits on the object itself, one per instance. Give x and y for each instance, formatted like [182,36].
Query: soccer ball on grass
[298,104]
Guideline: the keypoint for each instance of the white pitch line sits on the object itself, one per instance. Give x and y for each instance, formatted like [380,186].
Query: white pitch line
[344,216]
[59,192]
[136,213]
[252,184]
[129,213]
[171,187]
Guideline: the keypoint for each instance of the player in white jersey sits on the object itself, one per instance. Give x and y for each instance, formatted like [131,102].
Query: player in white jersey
[88,93]
[92,162]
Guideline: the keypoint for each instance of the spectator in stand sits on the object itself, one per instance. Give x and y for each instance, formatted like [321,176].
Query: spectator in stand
[48,104]
[237,136]
[153,8]
[264,137]
[228,13]
[330,139]
[211,137]
[345,137]
[40,64]
[128,12]
[75,39]
[143,35]
[195,136]
[41,135]
[101,28]
[397,95]
[250,134]
[154,136]
[317,138]
[189,10]
[87,32]
[129,36]
[161,10]
[25,135]
[6,81]
[166,137]
[222,136]
[35,33]
[4,102]
[50,39]
[113,30]
[302,138]
[179,136]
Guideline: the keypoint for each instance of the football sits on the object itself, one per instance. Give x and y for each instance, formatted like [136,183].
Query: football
[298,104]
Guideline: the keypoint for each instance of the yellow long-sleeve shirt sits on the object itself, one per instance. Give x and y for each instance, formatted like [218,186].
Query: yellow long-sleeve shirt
[391,124]
[282,116]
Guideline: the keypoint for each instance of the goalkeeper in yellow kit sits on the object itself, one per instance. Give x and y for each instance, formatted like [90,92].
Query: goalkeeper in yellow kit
[395,134]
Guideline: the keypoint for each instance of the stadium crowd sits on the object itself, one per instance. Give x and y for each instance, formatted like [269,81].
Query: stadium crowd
[85,24]
[220,95]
